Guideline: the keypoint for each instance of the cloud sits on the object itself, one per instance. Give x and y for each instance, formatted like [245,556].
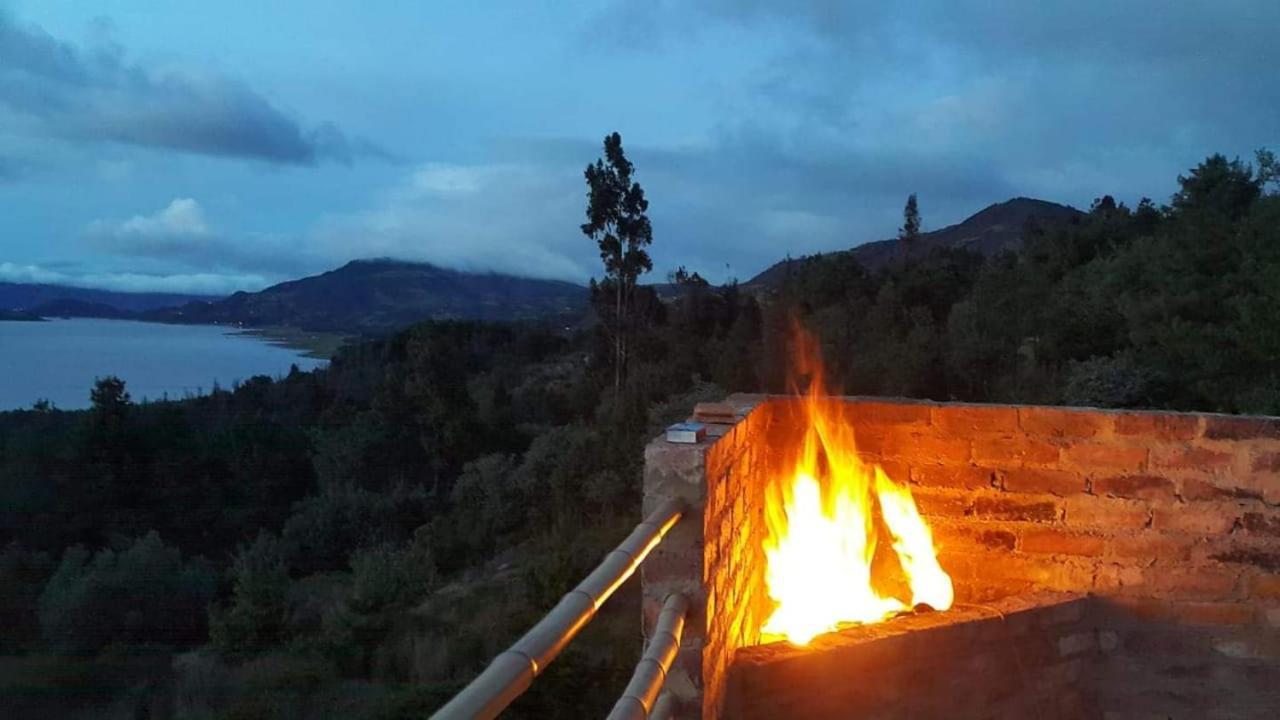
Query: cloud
[508,217]
[194,283]
[182,217]
[179,234]
[95,94]
[1060,100]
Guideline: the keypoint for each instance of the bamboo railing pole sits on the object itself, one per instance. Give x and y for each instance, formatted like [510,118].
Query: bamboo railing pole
[513,671]
[665,708]
[646,683]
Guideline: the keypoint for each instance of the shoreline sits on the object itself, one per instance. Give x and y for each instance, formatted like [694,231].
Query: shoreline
[310,344]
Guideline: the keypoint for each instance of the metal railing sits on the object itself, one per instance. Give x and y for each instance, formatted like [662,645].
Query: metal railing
[513,670]
[639,699]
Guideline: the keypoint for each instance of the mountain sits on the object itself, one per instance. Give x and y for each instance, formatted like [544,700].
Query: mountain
[374,296]
[993,229]
[18,316]
[23,296]
[68,307]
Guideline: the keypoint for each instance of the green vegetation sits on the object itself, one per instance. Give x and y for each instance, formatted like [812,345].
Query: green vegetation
[1170,307]
[360,540]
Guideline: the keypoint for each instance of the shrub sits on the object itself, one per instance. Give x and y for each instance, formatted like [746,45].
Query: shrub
[23,575]
[325,529]
[144,594]
[1117,381]
[258,617]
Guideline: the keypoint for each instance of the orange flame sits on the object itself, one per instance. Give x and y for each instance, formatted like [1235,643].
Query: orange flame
[822,529]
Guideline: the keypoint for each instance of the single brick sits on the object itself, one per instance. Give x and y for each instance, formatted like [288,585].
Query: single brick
[1265,586]
[955,536]
[945,503]
[1209,519]
[1007,508]
[1175,457]
[1057,422]
[1227,427]
[1055,482]
[1211,613]
[966,420]
[1013,451]
[1057,542]
[1088,511]
[1108,640]
[1138,487]
[926,449]
[1266,462]
[969,477]
[1262,523]
[1076,644]
[1196,490]
[871,440]
[1160,426]
[897,470]
[1202,583]
[1153,546]
[1111,578]
[1266,560]
[1105,456]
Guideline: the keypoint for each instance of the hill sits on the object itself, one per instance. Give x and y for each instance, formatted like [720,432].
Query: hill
[19,316]
[27,296]
[69,307]
[375,296]
[991,230]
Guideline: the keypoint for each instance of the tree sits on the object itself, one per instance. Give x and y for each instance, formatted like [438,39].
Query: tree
[910,229]
[146,593]
[616,220]
[258,615]
[685,279]
[1221,187]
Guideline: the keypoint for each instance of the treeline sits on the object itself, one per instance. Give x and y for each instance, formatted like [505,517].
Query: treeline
[1162,307]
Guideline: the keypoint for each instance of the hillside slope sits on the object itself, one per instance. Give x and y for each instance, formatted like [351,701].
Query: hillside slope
[993,229]
[374,296]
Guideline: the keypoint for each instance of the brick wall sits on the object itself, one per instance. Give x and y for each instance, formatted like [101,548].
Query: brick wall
[1169,519]
[715,557]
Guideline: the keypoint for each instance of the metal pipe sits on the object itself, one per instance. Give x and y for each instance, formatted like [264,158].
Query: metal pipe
[641,694]
[513,671]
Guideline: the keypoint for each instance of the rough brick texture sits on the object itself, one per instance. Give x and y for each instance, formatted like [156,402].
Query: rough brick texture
[1017,658]
[1171,518]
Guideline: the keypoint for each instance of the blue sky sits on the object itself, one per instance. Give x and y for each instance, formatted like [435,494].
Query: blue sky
[205,146]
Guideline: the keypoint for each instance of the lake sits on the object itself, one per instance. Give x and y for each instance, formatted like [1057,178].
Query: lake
[58,360]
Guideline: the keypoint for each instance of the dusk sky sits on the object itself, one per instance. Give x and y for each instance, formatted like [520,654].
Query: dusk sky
[216,146]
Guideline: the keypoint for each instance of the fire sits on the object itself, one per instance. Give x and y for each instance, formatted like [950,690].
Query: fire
[823,528]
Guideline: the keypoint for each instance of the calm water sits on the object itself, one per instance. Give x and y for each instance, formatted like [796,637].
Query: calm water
[59,359]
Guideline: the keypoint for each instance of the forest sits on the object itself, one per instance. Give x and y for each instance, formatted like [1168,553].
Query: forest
[358,541]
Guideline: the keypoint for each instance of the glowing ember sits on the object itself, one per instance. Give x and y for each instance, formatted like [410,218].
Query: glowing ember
[822,532]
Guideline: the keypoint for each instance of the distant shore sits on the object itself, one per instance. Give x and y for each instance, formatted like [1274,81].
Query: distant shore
[19,316]
[312,344]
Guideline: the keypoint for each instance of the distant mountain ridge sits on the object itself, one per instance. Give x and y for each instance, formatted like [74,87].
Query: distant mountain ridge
[989,231]
[374,296]
[31,296]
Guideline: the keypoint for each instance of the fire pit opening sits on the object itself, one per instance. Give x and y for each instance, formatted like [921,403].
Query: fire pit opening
[1126,564]
[844,542]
